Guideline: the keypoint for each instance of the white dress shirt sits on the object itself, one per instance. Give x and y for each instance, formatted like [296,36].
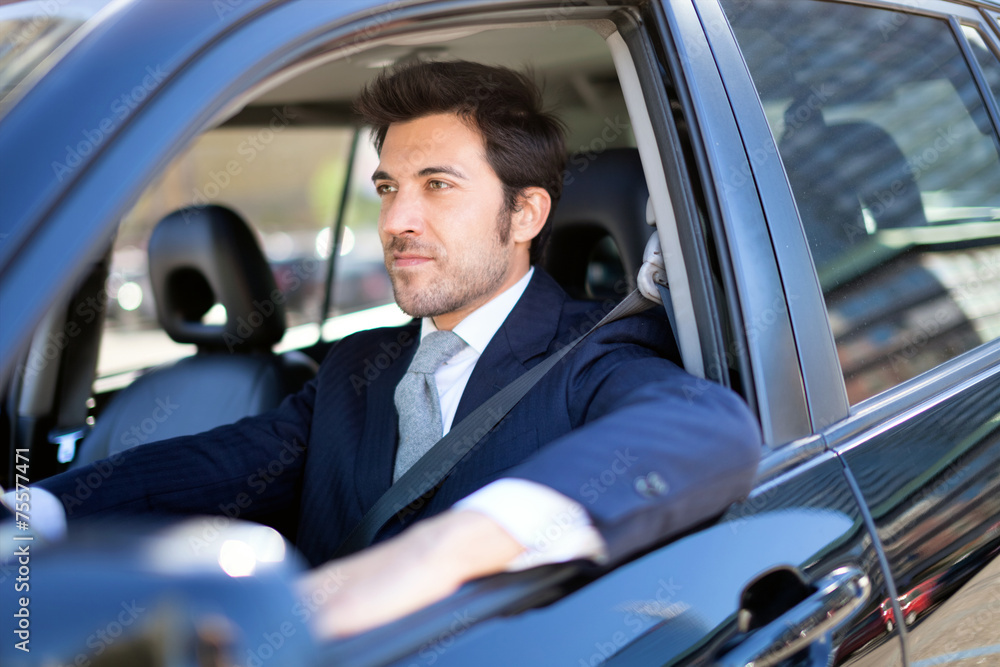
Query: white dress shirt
[551,527]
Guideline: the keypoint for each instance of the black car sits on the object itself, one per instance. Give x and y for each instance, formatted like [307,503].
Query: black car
[823,178]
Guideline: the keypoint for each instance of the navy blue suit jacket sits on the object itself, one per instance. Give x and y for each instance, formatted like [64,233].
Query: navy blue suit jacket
[603,427]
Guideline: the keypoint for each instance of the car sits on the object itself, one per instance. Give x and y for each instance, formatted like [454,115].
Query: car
[913,603]
[824,178]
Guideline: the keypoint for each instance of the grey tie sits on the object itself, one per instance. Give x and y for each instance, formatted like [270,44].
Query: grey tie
[417,400]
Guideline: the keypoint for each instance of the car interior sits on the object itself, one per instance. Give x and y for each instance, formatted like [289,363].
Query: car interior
[256,249]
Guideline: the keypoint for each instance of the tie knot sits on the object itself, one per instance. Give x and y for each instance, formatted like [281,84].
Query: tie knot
[436,348]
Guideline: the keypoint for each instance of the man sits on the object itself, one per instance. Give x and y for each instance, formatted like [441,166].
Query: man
[470,169]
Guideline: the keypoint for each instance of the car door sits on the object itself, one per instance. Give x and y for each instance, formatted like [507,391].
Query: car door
[885,122]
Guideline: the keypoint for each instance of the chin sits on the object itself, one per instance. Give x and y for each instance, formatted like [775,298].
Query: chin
[409,303]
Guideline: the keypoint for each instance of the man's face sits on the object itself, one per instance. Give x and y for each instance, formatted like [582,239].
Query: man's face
[446,241]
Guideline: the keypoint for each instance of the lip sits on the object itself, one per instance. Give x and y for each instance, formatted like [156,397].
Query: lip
[406,260]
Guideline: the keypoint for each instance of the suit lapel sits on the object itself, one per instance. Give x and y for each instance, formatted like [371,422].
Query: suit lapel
[516,347]
[376,456]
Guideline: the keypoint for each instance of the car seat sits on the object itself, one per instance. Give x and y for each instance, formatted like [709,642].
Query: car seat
[599,228]
[200,256]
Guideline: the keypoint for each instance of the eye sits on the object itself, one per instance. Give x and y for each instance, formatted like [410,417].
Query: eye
[437,185]
[384,189]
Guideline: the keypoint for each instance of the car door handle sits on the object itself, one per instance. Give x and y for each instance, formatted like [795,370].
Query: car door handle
[837,596]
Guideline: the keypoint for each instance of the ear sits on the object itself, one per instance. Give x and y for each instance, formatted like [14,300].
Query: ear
[533,209]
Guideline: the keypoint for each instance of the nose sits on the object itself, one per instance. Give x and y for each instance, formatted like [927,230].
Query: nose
[401,214]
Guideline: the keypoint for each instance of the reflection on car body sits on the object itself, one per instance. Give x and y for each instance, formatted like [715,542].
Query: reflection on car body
[825,178]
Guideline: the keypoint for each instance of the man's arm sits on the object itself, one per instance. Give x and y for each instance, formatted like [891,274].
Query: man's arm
[422,565]
[251,469]
[649,463]
[654,461]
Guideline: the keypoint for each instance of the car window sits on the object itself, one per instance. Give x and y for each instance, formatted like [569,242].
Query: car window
[285,177]
[284,180]
[893,161]
[361,285]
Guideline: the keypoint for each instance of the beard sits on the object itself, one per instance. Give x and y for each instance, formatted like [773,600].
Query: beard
[459,281]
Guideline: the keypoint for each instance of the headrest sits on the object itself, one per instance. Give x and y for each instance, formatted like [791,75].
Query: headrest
[603,195]
[202,255]
[803,112]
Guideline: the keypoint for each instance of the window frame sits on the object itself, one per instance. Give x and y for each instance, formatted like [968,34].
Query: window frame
[711,66]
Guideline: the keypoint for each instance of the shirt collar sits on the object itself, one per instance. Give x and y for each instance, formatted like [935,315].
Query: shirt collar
[479,326]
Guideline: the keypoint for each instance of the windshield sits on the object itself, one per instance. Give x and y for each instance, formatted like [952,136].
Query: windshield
[31,31]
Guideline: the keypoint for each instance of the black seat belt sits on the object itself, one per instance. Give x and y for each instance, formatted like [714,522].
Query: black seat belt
[434,466]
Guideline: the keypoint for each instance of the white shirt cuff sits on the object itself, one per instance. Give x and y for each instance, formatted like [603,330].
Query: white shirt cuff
[551,527]
[45,515]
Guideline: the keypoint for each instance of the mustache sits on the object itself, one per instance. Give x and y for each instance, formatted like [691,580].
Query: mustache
[398,244]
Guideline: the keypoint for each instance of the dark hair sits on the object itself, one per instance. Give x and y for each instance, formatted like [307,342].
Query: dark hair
[525,145]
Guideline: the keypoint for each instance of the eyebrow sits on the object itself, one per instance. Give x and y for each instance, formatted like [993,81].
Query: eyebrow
[381,175]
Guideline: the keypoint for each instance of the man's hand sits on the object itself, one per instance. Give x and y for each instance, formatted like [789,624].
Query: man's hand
[424,564]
